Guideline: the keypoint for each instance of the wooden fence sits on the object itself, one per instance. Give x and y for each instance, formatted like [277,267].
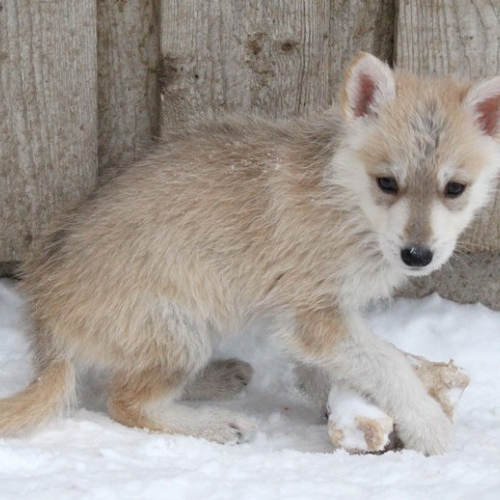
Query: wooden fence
[85,83]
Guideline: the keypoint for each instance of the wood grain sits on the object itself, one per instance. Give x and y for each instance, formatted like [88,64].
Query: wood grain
[48,125]
[277,58]
[128,53]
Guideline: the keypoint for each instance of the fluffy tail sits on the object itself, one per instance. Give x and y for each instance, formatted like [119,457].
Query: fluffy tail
[42,400]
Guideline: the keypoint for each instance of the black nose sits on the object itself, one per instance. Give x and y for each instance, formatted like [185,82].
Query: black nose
[416,256]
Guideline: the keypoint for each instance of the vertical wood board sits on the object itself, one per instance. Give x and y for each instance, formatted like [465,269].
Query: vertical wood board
[275,58]
[48,126]
[128,54]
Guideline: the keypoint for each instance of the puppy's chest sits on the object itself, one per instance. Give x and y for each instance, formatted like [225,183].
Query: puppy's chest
[363,282]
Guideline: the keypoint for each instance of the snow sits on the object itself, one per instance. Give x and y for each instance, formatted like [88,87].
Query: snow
[87,455]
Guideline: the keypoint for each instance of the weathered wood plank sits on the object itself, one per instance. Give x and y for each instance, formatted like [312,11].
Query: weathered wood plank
[278,58]
[48,139]
[360,25]
[449,37]
[128,52]
[460,37]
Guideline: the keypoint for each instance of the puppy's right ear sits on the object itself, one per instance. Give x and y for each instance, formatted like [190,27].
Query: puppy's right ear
[368,84]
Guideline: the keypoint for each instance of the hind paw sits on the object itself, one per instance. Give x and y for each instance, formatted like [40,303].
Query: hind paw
[225,427]
[220,380]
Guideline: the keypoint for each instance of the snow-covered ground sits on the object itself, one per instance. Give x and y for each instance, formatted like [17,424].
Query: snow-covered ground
[89,456]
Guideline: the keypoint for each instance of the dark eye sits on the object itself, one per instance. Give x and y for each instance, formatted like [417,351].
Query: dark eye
[454,189]
[387,185]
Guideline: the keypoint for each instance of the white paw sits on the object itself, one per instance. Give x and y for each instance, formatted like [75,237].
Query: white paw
[355,424]
[225,427]
[427,430]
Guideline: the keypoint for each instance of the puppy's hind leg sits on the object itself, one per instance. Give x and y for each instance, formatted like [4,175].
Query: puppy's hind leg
[146,399]
[167,351]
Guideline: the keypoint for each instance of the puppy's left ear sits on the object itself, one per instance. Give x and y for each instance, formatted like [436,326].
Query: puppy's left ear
[368,85]
[483,99]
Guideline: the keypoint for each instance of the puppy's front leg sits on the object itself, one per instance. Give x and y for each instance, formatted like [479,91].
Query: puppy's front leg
[355,423]
[354,357]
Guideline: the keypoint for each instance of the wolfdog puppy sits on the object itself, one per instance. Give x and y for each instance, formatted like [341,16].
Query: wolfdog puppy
[301,222]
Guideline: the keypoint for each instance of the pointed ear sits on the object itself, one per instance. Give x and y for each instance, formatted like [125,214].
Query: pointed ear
[368,84]
[483,99]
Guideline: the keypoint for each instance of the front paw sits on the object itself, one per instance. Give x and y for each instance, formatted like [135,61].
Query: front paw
[361,434]
[426,430]
[357,425]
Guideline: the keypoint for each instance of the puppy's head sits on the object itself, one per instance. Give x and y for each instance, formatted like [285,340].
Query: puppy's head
[420,157]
